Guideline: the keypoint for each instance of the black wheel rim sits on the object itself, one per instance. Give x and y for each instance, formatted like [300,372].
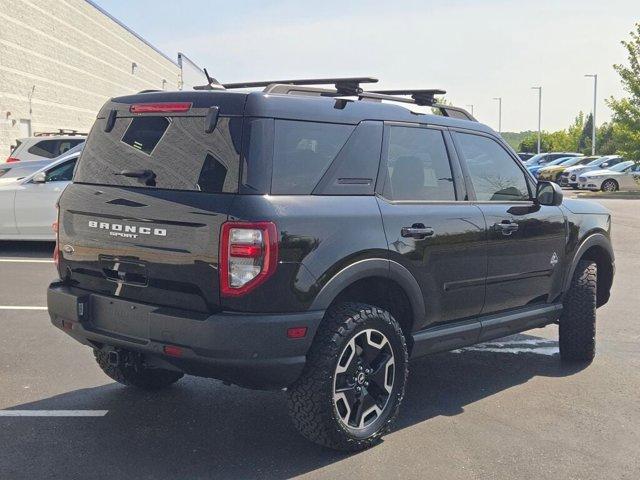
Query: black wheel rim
[363,380]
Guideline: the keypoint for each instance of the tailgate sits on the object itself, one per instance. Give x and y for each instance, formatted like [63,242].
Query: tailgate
[157,248]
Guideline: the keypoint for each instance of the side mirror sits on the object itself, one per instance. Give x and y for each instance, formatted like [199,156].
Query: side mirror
[40,177]
[549,193]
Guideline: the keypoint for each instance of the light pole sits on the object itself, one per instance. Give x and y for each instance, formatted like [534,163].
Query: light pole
[471,106]
[499,113]
[539,114]
[593,118]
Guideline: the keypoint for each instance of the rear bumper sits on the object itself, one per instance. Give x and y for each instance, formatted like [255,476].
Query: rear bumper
[251,350]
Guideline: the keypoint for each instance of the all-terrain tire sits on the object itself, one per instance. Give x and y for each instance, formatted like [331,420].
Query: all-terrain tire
[135,374]
[311,397]
[578,319]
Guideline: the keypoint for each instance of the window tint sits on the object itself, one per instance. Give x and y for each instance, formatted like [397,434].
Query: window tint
[257,155]
[176,149]
[417,165]
[144,133]
[62,173]
[494,174]
[302,153]
[45,148]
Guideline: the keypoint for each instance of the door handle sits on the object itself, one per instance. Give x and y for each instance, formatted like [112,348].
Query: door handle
[506,227]
[417,230]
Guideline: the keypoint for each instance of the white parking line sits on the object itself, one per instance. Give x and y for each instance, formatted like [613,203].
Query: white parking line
[20,307]
[53,413]
[25,260]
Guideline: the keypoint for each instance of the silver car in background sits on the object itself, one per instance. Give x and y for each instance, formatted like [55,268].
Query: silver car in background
[569,178]
[623,176]
[28,205]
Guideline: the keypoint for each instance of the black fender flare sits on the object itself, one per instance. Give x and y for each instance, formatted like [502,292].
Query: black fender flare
[595,239]
[373,267]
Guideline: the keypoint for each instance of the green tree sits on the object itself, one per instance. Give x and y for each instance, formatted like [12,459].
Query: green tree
[585,140]
[626,111]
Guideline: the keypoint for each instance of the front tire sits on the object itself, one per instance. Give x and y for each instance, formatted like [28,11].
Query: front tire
[578,319]
[133,373]
[609,186]
[350,392]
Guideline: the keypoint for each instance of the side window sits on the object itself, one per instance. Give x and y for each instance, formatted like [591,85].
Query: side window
[494,174]
[417,165]
[302,153]
[45,148]
[61,173]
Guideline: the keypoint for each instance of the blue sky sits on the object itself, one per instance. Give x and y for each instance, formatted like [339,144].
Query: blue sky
[476,50]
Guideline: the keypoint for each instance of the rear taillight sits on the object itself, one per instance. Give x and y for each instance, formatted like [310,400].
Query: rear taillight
[12,159]
[164,107]
[248,256]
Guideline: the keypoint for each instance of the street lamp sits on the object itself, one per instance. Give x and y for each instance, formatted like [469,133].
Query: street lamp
[539,114]
[595,97]
[499,113]
[471,107]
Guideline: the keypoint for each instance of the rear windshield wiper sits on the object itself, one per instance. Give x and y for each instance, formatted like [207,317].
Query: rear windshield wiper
[148,177]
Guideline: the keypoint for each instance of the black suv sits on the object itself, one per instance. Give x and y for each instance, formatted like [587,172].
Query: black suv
[314,240]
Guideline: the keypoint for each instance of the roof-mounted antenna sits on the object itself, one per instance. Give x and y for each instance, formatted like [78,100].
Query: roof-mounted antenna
[212,85]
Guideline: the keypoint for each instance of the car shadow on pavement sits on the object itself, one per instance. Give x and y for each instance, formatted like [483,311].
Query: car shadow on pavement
[200,428]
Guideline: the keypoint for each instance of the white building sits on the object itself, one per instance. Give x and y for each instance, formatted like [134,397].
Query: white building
[60,61]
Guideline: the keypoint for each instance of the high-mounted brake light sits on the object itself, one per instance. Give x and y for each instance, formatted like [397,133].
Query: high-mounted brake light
[248,256]
[163,107]
[12,159]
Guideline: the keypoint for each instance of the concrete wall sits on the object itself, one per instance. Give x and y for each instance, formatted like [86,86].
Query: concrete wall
[60,61]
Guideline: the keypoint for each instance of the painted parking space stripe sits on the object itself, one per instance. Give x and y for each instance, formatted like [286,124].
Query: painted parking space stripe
[25,260]
[20,307]
[53,413]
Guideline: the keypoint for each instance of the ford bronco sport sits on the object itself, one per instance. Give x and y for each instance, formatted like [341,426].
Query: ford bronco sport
[314,240]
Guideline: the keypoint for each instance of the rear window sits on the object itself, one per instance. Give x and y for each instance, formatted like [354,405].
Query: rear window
[302,153]
[163,152]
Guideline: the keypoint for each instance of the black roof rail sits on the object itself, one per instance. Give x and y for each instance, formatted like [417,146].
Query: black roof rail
[422,96]
[348,86]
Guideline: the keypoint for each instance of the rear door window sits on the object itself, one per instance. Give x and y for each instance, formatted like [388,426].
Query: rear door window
[302,153]
[175,151]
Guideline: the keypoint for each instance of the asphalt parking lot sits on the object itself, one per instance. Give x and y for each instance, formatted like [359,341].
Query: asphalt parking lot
[508,409]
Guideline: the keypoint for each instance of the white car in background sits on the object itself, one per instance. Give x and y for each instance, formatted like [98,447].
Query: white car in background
[570,176]
[43,147]
[28,205]
[623,176]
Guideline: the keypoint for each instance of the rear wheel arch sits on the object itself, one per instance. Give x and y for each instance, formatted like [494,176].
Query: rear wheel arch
[379,282]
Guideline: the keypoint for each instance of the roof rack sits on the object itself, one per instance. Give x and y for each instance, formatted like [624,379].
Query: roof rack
[344,87]
[61,131]
[349,86]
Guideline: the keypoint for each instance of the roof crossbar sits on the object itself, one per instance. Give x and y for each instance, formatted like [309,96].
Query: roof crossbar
[425,97]
[344,86]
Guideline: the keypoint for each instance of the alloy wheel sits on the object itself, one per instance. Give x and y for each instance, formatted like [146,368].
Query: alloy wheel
[363,379]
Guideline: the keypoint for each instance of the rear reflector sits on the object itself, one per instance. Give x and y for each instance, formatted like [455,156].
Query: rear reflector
[165,107]
[12,159]
[297,332]
[172,351]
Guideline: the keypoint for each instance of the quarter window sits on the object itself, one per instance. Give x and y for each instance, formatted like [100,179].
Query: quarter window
[418,166]
[302,153]
[494,174]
